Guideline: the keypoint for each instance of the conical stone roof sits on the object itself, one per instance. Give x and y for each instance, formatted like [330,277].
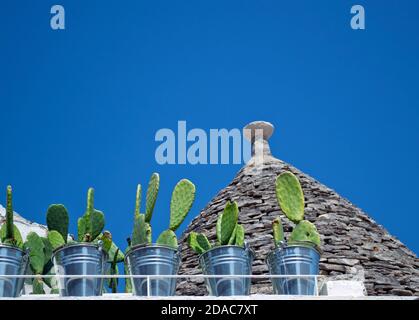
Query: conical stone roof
[354,245]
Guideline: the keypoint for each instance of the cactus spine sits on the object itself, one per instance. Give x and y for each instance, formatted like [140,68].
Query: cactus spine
[291,200]
[228,231]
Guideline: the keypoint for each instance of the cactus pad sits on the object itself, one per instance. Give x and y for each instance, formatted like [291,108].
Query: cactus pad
[57,219]
[38,286]
[168,238]
[9,214]
[56,239]
[232,239]
[138,200]
[81,228]
[98,223]
[183,197]
[290,196]
[17,237]
[239,241]
[278,231]
[227,222]
[196,245]
[305,231]
[36,252]
[152,191]
[139,234]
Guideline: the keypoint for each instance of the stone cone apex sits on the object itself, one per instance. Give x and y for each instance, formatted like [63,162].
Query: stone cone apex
[354,246]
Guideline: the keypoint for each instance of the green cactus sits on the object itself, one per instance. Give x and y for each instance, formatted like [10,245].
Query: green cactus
[290,196]
[138,201]
[239,241]
[228,231]
[98,223]
[199,242]
[40,251]
[152,191]
[168,238]
[278,231]
[305,231]
[227,222]
[106,238]
[91,224]
[57,219]
[56,239]
[291,199]
[183,197]
[36,252]
[232,239]
[140,234]
[38,285]
[9,214]
[9,233]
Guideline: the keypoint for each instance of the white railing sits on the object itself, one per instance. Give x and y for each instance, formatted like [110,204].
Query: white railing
[149,278]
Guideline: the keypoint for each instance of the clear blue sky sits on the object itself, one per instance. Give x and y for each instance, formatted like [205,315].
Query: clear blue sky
[80,107]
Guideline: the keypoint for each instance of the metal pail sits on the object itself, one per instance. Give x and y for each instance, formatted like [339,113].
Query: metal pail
[80,259]
[294,260]
[153,260]
[231,261]
[13,261]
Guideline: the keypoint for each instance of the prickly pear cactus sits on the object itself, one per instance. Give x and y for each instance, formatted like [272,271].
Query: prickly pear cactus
[290,196]
[152,191]
[228,231]
[183,197]
[278,231]
[227,222]
[168,238]
[98,223]
[138,201]
[199,242]
[56,239]
[239,241]
[91,224]
[9,233]
[291,199]
[57,219]
[305,231]
[9,214]
[142,231]
[36,252]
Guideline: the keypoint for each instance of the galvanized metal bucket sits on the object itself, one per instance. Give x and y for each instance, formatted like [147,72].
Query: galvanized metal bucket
[227,261]
[80,259]
[294,260]
[151,260]
[13,262]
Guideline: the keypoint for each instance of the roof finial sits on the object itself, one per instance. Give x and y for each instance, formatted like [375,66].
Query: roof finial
[258,133]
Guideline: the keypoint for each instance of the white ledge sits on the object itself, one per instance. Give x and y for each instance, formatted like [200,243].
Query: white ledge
[127,296]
